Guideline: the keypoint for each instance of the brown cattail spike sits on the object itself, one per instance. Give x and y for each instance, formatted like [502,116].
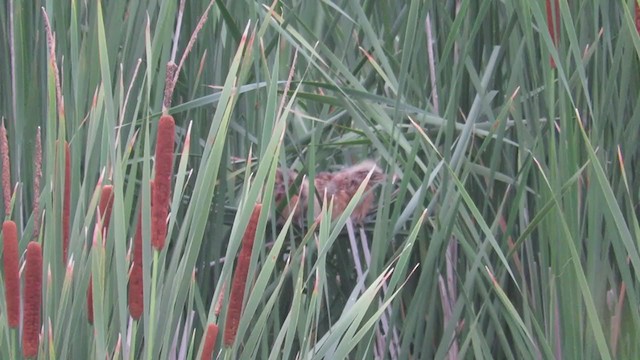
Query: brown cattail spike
[136,295]
[90,300]
[553,24]
[66,210]
[209,342]
[32,300]
[136,300]
[162,183]
[218,306]
[11,272]
[169,85]
[637,17]
[6,169]
[106,205]
[240,279]
[136,286]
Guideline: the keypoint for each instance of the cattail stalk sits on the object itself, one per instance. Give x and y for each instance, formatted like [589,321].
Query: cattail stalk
[209,342]
[11,272]
[162,192]
[32,300]
[6,170]
[66,206]
[240,279]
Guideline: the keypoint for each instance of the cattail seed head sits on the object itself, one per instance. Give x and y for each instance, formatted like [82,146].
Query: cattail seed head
[11,272]
[218,306]
[106,205]
[136,295]
[90,301]
[553,24]
[240,279]
[209,342]
[136,292]
[162,182]
[32,300]
[637,17]
[136,284]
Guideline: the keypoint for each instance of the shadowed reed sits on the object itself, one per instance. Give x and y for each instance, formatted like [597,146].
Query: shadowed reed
[11,272]
[32,300]
[162,192]
[240,279]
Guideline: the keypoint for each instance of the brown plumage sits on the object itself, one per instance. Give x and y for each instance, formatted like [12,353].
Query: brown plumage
[343,185]
[340,186]
[298,197]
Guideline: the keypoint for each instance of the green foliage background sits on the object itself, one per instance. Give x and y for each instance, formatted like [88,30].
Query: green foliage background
[511,231]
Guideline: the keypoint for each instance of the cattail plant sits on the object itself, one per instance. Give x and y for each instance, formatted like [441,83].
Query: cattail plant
[553,24]
[66,206]
[240,278]
[105,206]
[37,176]
[162,192]
[11,272]
[637,16]
[6,169]
[209,342]
[136,289]
[218,306]
[90,301]
[32,300]
[136,295]
[136,299]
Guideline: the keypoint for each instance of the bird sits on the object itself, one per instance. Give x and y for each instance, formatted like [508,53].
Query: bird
[285,185]
[338,188]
